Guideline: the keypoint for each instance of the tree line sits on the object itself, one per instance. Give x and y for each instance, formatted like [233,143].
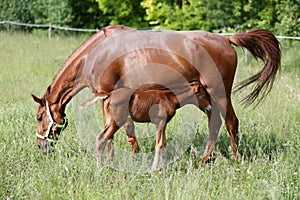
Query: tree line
[279,16]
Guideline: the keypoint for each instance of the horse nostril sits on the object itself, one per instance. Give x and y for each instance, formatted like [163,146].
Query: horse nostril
[39,146]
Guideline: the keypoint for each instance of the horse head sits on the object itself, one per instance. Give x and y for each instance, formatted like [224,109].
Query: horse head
[51,121]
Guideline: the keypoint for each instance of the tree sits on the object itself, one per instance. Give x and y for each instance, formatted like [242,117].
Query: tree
[279,16]
[126,12]
[87,14]
[288,12]
[191,14]
[15,10]
[56,12]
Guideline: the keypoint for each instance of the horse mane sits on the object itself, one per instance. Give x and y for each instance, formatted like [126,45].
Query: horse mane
[93,40]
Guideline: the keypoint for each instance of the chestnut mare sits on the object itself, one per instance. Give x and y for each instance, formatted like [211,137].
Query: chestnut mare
[118,56]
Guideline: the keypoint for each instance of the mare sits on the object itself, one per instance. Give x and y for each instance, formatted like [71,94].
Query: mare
[118,56]
[155,106]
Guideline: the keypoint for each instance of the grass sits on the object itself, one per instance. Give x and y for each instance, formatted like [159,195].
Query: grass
[268,168]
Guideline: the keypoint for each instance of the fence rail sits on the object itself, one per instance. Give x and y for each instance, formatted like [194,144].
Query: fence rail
[50,27]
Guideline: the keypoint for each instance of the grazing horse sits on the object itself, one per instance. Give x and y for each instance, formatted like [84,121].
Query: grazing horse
[118,56]
[155,106]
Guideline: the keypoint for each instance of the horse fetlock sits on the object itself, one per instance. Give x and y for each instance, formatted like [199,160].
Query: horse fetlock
[208,152]
[234,150]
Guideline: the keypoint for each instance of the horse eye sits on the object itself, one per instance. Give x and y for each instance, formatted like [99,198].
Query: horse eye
[39,118]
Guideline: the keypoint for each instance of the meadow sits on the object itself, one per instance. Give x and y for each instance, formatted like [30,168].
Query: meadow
[268,166]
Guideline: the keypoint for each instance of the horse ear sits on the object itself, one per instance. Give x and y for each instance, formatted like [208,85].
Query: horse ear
[47,92]
[36,99]
[196,86]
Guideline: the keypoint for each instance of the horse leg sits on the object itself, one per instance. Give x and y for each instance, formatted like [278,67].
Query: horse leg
[129,129]
[214,124]
[232,124]
[160,145]
[110,147]
[106,138]
[231,121]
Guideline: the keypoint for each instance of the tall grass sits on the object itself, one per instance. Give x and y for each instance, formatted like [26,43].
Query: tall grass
[269,162]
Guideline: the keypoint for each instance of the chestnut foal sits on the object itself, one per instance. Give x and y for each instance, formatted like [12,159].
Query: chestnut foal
[155,106]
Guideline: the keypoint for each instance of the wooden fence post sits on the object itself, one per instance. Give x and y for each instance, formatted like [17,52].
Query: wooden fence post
[8,26]
[49,31]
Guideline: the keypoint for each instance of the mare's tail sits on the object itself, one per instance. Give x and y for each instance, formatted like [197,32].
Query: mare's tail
[264,45]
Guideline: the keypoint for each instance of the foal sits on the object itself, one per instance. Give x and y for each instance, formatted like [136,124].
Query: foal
[155,106]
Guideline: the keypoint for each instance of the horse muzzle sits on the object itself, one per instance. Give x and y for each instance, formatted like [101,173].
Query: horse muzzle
[44,146]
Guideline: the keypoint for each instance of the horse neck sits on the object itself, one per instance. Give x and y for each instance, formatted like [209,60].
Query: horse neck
[69,80]
[67,83]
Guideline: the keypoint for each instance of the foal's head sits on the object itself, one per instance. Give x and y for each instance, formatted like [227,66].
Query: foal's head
[204,101]
[51,122]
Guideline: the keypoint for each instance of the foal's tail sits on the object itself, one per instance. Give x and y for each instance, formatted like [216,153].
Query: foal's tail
[264,45]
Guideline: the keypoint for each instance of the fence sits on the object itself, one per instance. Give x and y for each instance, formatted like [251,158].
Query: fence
[50,27]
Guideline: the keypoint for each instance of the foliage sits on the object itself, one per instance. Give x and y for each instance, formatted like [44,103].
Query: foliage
[15,10]
[205,15]
[279,16]
[57,12]
[87,14]
[126,12]
[288,12]
[223,15]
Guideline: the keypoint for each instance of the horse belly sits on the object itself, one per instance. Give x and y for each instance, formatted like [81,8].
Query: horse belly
[139,110]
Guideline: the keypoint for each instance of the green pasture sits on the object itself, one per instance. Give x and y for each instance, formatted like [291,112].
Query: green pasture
[268,167]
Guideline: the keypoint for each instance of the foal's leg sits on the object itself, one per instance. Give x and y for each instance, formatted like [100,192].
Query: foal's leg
[214,124]
[160,145]
[129,129]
